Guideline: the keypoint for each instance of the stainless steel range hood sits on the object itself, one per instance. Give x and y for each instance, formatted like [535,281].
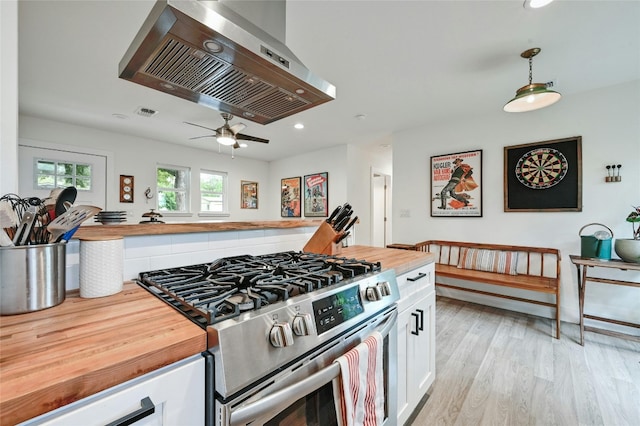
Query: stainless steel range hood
[206,53]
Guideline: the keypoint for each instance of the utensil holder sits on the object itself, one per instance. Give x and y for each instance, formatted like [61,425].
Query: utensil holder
[323,241]
[32,277]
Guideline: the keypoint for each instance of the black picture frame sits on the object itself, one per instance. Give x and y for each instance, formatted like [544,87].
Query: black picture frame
[544,176]
[463,172]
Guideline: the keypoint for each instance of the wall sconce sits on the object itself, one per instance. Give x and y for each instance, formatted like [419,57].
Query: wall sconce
[612,176]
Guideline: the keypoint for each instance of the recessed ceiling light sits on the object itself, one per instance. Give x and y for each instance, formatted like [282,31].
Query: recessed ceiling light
[167,86]
[299,126]
[360,116]
[212,46]
[120,116]
[299,91]
[535,4]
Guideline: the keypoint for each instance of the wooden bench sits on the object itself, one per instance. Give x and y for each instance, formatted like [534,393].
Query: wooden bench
[536,269]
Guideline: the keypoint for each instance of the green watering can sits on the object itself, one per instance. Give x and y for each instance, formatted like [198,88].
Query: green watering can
[598,245]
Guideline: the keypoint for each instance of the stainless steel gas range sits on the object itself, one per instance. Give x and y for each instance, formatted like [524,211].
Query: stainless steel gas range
[275,325]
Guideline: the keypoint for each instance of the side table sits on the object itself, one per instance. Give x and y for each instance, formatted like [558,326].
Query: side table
[582,265]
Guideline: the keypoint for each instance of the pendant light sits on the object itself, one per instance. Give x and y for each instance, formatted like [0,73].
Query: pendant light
[534,95]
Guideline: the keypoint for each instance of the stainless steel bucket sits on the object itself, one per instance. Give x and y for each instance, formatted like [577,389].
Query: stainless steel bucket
[32,278]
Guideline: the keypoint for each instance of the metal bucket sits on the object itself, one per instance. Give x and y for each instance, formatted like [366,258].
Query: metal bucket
[598,245]
[32,278]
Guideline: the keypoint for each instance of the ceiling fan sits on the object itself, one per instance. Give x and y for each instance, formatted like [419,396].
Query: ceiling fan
[229,135]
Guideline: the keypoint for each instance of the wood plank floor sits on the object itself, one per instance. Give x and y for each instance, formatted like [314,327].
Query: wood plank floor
[497,367]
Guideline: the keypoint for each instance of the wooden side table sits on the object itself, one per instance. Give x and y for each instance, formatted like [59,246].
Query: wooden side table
[582,265]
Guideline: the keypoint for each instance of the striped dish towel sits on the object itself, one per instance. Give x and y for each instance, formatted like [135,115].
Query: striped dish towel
[361,389]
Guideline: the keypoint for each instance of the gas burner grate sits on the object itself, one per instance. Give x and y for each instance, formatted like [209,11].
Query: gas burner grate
[213,292]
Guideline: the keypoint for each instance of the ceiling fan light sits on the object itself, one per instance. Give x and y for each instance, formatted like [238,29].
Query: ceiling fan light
[225,140]
[531,97]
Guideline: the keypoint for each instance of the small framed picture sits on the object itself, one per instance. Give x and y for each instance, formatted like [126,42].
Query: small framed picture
[456,184]
[290,197]
[316,195]
[248,195]
[544,176]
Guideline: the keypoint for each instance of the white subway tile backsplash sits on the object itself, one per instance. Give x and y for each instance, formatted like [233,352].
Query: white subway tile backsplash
[187,243]
[148,253]
[148,245]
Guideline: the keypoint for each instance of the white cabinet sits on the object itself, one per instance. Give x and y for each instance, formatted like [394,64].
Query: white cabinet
[416,338]
[176,393]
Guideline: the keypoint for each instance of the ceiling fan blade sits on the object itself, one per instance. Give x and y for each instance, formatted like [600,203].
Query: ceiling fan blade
[251,138]
[237,128]
[205,136]
[197,125]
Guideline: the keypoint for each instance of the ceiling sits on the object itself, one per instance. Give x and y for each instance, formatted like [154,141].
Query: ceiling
[397,64]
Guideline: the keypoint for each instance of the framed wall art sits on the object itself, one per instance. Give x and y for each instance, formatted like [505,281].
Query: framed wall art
[316,195]
[544,176]
[456,184]
[290,197]
[248,195]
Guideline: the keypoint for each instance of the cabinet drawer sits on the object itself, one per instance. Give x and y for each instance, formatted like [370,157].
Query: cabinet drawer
[175,391]
[413,281]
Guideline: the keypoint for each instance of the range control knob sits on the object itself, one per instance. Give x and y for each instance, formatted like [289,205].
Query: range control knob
[373,293]
[302,324]
[385,288]
[281,335]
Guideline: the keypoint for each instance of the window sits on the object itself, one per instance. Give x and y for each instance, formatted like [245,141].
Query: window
[213,192]
[52,174]
[173,189]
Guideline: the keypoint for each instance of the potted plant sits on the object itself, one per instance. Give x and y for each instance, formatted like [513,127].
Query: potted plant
[629,249]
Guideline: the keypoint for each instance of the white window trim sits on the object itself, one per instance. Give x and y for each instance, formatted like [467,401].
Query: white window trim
[188,212]
[225,195]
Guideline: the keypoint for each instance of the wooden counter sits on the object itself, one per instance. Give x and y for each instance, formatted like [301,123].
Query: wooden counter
[187,228]
[400,260]
[59,355]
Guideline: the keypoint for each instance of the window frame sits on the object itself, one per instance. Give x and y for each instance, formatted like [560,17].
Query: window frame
[56,177]
[225,193]
[186,191]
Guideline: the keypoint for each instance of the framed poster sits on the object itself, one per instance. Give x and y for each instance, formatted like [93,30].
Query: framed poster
[248,195]
[544,176]
[456,184]
[290,197]
[316,195]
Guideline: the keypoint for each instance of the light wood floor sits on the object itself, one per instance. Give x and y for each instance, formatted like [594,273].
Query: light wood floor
[497,367]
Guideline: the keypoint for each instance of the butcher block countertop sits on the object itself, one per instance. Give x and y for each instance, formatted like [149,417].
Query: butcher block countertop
[128,230]
[59,355]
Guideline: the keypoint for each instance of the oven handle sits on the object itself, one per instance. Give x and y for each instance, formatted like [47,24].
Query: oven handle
[281,399]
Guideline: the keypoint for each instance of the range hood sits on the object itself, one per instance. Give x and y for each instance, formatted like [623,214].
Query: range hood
[207,53]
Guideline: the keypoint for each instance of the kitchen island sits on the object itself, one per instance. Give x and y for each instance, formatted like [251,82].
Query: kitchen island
[53,357]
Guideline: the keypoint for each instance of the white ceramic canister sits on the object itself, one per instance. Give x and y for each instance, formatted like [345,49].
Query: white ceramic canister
[101,266]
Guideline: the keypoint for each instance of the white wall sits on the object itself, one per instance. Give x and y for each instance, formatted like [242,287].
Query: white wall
[138,157]
[8,96]
[608,121]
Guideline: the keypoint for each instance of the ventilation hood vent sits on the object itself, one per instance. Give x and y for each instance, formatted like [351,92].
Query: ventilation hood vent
[206,53]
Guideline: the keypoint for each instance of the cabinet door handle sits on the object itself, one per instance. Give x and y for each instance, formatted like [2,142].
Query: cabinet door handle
[421,319]
[417,331]
[417,277]
[147,408]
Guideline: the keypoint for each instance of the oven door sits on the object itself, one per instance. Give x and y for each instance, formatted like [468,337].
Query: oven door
[303,394]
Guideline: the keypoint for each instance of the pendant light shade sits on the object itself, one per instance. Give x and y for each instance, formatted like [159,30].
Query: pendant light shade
[534,95]
[225,137]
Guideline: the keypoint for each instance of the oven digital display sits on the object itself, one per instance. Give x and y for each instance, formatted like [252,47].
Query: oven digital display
[337,308]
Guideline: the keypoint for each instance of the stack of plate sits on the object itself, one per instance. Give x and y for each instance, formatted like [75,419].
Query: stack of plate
[111,217]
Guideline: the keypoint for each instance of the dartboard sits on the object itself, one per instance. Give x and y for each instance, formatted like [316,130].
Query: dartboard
[541,168]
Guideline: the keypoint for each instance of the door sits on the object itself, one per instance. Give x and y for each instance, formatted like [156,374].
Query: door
[380,208]
[30,154]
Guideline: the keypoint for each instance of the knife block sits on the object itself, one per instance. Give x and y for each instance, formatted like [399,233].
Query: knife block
[322,241]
